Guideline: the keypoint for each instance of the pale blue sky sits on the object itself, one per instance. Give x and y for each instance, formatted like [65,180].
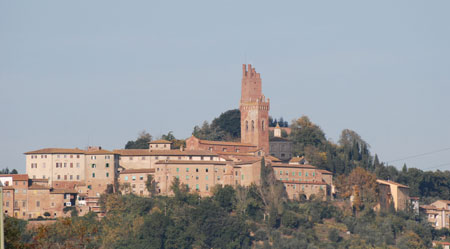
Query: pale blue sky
[73,72]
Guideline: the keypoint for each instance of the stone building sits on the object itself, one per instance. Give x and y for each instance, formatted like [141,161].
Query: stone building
[280,147]
[437,213]
[393,193]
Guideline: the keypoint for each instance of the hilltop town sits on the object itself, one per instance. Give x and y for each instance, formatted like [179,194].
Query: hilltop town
[62,183]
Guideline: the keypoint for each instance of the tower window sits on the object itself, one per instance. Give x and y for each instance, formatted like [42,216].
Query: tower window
[262,125]
[253,125]
[246,125]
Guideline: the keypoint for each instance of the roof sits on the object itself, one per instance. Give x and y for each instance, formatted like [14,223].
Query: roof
[146,152]
[323,171]
[392,183]
[224,143]
[8,188]
[63,191]
[279,139]
[188,162]
[56,151]
[296,159]
[441,242]
[16,177]
[312,183]
[38,187]
[99,152]
[161,141]
[273,159]
[287,165]
[132,171]
[247,162]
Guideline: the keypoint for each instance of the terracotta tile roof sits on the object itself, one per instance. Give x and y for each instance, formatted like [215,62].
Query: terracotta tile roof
[391,183]
[145,152]
[287,165]
[189,162]
[311,183]
[429,207]
[99,152]
[297,159]
[323,171]
[63,191]
[16,177]
[56,151]
[224,143]
[38,187]
[273,159]
[442,242]
[235,153]
[8,188]
[133,171]
[247,162]
[161,141]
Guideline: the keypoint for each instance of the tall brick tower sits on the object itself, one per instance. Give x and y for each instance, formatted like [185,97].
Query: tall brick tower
[254,110]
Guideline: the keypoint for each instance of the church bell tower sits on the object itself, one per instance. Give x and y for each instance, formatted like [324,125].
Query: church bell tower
[254,110]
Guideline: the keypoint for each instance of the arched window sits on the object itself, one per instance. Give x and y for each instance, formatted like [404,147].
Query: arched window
[262,125]
[246,125]
[253,125]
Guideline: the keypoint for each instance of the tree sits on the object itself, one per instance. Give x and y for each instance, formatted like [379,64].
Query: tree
[360,184]
[141,142]
[150,185]
[225,127]
[304,133]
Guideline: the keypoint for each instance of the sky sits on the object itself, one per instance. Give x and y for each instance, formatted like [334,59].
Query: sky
[78,73]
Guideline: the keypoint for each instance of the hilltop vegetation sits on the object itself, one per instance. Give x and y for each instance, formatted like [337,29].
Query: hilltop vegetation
[243,217]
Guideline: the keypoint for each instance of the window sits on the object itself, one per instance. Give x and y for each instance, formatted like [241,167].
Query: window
[126,178]
[196,187]
[109,157]
[78,156]
[71,165]
[65,165]
[178,169]
[131,158]
[78,177]
[246,125]
[38,203]
[107,165]
[281,172]
[156,158]
[190,157]
[293,173]
[93,157]
[24,203]
[196,177]
[314,174]
[7,204]
[300,173]
[65,177]
[78,165]
[143,158]
[107,174]
[210,148]
[59,177]
[89,187]
[16,191]
[211,158]
[196,170]
[71,177]
[207,187]
[262,125]
[187,177]
[242,177]
[224,149]
[206,177]
[93,175]
[94,166]
[253,125]
[187,169]
[141,178]
[306,174]
[218,178]
[24,191]
[133,178]
[206,170]
[201,158]
[43,176]
[15,183]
